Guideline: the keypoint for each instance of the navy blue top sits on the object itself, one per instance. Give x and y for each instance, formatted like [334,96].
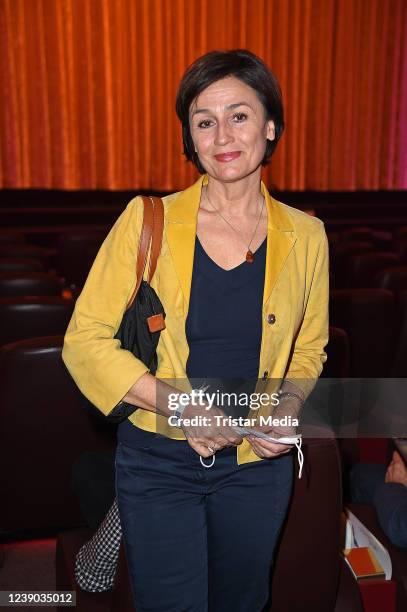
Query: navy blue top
[224,323]
[223,330]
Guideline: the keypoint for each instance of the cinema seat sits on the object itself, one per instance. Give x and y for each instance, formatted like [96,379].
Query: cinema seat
[394,279]
[400,232]
[20,264]
[343,249]
[22,317]
[47,256]
[340,255]
[11,238]
[401,248]
[312,531]
[400,362]
[14,284]
[348,598]
[338,352]
[367,515]
[76,253]
[357,234]
[368,317]
[44,428]
[365,267]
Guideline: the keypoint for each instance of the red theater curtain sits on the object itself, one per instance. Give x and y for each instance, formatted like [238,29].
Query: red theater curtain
[88,88]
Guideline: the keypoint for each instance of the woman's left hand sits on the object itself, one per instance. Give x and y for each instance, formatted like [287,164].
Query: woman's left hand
[265,449]
[268,450]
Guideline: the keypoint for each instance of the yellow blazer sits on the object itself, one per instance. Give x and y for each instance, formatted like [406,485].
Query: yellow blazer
[295,292]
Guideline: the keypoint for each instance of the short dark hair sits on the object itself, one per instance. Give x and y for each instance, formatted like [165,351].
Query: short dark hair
[216,65]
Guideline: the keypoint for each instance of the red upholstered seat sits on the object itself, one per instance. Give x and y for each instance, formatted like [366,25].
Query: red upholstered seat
[401,247]
[20,264]
[368,317]
[44,428]
[340,255]
[10,237]
[312,526]
[32,317]
[47,256]
[338,352]
[77,252]
[349,598]
[357,234]
[394,279]
[398,556]
[29,283]
[364,268]
[401,232]
[400,361]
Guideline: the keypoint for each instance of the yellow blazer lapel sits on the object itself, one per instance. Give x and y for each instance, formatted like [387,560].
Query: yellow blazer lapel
[280,240]
[181,233]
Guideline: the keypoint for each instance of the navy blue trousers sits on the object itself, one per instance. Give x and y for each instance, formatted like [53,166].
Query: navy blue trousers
[199,539]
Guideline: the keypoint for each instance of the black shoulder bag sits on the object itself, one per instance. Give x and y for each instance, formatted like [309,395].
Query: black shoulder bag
[143,320]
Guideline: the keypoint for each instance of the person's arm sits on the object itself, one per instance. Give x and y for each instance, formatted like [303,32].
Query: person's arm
[390,501]
[397,470]
[153,394]
[103,371]
[308,354]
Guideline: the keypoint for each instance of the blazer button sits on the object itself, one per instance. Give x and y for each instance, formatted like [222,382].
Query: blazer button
[265,374]
[271,318]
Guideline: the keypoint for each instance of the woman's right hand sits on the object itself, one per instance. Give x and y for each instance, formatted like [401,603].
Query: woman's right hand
[210,432]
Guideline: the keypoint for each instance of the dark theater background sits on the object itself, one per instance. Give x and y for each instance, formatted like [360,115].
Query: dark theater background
[87,122]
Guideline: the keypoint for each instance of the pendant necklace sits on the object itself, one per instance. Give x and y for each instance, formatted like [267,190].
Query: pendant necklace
[249,254]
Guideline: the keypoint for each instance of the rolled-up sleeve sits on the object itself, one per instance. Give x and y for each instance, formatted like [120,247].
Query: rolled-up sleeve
[308,354]
[103,371]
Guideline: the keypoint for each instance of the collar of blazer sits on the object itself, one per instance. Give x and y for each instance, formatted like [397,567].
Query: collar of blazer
[182,215]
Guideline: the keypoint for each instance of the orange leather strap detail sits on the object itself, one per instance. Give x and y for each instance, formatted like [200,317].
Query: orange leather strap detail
[158,228]
[151,233]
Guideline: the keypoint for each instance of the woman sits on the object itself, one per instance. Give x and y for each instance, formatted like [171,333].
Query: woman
[244,283]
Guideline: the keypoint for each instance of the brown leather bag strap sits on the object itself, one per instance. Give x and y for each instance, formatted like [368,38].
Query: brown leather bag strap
[157,238]
[151,232]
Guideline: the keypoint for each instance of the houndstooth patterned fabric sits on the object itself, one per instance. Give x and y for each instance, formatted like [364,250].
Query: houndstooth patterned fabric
[96,561]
